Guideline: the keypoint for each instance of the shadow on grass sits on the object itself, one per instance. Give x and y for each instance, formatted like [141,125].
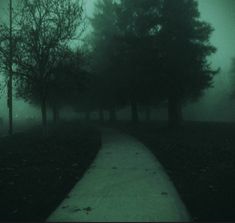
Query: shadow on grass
[200,159]
[36,173]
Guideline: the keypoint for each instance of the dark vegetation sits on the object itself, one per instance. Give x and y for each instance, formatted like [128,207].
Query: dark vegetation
[144,60]
[200,159]
[37,173]
[142,54]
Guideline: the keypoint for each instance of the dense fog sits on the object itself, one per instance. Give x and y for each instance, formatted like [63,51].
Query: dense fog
[215,105]
[117,110]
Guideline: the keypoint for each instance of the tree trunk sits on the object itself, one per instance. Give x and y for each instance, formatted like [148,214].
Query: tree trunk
[134,112]
[9,99]
[44,114]
[101,115]
[1,122]
[55,113]
[148,113]
[174,112]
[112,115]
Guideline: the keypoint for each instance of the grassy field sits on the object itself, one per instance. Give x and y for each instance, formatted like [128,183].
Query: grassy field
[36,173]
[200,159]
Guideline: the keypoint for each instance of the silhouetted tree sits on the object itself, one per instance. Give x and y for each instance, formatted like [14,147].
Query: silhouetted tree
[7,46]
[10,79]
[124,44]
[45,29]
[139,25]
[66,82]
[149,51]
[232,72]
[105,57]
[184,41]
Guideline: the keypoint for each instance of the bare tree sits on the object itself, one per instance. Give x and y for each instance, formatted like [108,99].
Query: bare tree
[6,56]
[9,92]
[45,28]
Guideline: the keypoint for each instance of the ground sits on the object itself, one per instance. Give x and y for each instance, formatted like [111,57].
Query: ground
[125,183]
[200,159]
[37,173]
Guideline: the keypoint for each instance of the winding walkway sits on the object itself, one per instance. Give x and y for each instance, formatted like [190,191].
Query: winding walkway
[124,183]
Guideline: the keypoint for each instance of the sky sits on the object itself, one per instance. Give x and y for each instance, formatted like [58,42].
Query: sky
[221,15]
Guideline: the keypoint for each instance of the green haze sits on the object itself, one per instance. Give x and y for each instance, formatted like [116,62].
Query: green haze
[220,13]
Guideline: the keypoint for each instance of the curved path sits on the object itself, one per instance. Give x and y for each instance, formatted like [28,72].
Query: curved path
[124,183]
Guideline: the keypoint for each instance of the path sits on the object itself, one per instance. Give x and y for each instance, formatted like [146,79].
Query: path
[124,183]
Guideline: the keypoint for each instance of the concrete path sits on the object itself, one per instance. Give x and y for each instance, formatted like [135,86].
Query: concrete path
[124,183]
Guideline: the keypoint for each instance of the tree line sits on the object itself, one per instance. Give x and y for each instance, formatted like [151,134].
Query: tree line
[148,54]
[137,53]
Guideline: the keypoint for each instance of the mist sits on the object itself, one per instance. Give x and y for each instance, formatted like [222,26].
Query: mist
[26,113]
[117,110]
[215,105]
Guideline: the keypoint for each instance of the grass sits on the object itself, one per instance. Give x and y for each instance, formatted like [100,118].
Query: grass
[36,173]
[200,159]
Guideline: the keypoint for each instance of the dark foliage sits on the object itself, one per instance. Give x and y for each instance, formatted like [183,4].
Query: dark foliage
[184,50]
[150,52]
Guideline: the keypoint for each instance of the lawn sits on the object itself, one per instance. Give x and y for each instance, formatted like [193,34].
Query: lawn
[200,159]
[36,173]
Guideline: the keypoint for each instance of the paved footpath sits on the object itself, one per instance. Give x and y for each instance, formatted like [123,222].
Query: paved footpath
[124,183]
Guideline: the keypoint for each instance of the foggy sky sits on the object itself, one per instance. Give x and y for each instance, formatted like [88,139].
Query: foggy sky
[221,14]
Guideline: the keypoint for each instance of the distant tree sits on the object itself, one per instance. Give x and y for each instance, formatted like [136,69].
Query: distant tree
[4,49]
[66,82]
[149,51]
[124,51]
[184,41]
[232,72]
[1,84]
[138,22]
[81,92]
[105,57]
[45,29]
[7,43]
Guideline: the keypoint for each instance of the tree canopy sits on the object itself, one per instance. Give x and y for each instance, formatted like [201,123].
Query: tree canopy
[155,51]
[44,30]
[139,54]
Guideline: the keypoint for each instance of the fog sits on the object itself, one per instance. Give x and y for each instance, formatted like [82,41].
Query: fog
[23,111]
[215,105]
[139,89]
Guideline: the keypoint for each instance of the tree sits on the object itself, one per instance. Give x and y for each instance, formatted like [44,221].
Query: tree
[2,66]
[153,50]
[124,36]
[64,87]
[105,59]
[68,81]
[232,72]
[9,96]
[45,29]
[7,42]
[184,50]
[138,23]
